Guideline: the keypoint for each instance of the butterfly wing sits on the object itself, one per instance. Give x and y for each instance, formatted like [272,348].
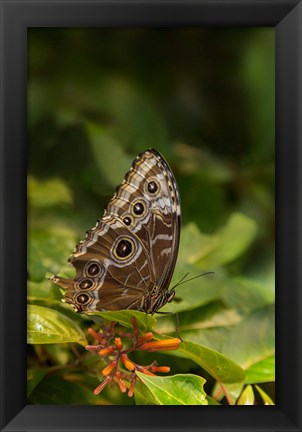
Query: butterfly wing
[131,252]
[113,270]
[148,201]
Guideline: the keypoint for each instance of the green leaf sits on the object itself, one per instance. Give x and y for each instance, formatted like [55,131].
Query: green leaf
[231,242]
[46,326]
[212,401]
[265,397]
[213,251]
[213,315]
[253,339]
[48,193]
[262,371]
[217,365]
[194,244]
[34,376]
[142,394]
[212,338]
[246,295]
[42,291]
[144,321]
[247,397]
[181,389]
[46,247]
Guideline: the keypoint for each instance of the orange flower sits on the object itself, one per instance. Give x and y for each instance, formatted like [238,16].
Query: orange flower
[102,385]
[131,390]
[120,382]
[106,371]
[146,371]
[118,343]
[97,336]
[114,371]
[162,345]
[164,369]
[106,351]
[127,362]
[147,336]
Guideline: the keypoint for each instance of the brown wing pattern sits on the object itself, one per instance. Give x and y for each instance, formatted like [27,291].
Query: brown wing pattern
[130,255]
[159,226]
[113,271]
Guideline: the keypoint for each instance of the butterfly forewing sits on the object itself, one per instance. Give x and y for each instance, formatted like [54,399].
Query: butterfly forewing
[127,260]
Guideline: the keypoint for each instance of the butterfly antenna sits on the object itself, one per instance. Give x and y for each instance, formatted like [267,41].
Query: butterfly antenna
[187,274]
[182,281]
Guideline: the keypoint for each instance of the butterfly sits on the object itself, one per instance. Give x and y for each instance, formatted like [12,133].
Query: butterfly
[127,260]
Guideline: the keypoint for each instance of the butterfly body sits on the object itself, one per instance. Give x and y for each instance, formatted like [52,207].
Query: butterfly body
[127,260]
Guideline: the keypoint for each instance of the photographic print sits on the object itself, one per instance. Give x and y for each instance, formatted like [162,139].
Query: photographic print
[151,216]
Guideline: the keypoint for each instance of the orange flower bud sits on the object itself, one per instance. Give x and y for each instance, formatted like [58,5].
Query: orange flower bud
[106,371]
[118,343]
[105,351]
[120,382]
[127,362]
[102,386]
[164,369]
[131,390]
[145,337]
[146,371]
[97,336]
[92,347]
[162,345]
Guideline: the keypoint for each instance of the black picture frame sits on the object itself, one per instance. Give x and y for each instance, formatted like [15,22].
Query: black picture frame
[16,16]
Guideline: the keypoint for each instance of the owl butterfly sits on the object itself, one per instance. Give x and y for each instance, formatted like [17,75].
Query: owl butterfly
[127,260]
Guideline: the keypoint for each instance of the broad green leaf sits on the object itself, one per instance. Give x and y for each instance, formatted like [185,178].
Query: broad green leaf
[48,193]
[220,367]
[42,291]
[210,316]
[263,371]
[48,249]
[212,338]
[212,251]
[253,339]
[265,397]
[194,245]
[142,394]
[247,397]
[34,376]
[181,389]
[231,241]
[144,321]
[46,326]
[246,295]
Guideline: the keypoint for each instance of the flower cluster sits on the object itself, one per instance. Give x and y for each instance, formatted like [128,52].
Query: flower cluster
[112,349]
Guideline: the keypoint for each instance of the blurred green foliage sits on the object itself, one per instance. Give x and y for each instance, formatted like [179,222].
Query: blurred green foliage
[205,99]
